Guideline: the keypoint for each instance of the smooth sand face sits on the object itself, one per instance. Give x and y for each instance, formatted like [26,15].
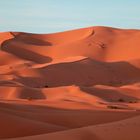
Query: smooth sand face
[76,85]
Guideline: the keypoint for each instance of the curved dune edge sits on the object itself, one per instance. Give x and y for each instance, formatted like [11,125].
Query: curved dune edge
[118,130]
[80,84]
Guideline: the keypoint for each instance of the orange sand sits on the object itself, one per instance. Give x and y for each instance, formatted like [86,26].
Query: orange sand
[77,85]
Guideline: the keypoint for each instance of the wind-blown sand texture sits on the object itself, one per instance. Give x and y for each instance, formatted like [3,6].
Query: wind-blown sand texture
[76,85]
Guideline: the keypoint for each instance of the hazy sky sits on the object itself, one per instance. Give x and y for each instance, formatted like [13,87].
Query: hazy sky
[45,16]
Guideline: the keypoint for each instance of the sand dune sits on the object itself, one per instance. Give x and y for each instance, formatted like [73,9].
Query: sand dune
[76,85]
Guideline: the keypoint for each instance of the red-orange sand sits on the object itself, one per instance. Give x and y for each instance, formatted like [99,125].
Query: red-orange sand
[76,85]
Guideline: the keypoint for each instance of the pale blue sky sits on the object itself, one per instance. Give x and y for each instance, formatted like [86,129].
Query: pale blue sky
[45,16]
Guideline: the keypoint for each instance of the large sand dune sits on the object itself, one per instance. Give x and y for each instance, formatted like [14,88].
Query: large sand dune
[77,85]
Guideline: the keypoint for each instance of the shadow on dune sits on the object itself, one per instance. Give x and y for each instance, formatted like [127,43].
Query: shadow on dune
[24,53]
[88,72]
[30,94]
[27,38]
[108,94]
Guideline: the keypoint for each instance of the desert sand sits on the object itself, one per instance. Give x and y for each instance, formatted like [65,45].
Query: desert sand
[81,84]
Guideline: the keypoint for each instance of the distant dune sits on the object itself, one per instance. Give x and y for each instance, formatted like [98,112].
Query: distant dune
[82,84]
